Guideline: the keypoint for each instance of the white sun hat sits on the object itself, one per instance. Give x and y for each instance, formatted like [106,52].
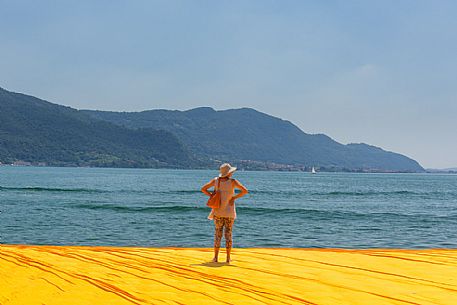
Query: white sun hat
[226,169]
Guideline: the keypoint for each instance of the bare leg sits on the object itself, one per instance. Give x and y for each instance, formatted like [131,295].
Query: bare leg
[216,255]
[228,238]
[228,260]
[218,227]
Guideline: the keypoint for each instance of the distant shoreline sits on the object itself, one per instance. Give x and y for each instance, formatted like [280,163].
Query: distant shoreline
[323,170]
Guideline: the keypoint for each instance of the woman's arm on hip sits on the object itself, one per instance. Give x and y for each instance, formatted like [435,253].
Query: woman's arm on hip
[241,187]
[205,188]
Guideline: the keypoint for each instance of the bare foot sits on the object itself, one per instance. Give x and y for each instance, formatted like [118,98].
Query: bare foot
[214,260]
[228,260]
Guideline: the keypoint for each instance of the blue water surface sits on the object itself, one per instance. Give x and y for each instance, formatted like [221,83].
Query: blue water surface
[163,207]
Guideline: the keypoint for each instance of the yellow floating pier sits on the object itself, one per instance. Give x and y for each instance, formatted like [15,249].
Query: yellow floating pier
[115,275]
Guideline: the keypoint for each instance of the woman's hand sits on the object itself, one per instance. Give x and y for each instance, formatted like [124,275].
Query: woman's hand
[232,201]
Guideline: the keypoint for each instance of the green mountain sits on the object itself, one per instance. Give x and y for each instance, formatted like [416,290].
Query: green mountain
[248,137]
[37,131]
[33,130]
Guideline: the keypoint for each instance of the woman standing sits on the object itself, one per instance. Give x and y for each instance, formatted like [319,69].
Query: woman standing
[224,216]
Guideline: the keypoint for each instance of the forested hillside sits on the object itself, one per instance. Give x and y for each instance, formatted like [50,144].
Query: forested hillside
[34,130]
[247,134]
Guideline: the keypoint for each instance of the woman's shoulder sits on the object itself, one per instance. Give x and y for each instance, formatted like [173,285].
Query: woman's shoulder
[213,180]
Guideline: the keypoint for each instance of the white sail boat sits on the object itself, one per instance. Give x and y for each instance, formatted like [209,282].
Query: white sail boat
[313,171]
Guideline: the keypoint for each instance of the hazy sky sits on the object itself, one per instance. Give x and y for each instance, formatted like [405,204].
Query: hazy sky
[380,72]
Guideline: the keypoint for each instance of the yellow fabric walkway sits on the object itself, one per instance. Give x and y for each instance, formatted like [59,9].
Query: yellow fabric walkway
[112,275]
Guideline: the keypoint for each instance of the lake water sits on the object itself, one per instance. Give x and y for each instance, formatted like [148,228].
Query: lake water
[158,207]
